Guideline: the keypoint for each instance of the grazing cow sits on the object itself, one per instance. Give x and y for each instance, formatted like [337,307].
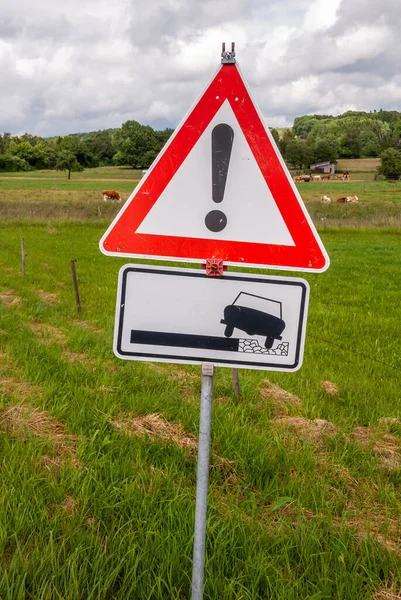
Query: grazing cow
[347,199]
[315,177]
[325,199]
[326,177]
[111,195]
[300,178]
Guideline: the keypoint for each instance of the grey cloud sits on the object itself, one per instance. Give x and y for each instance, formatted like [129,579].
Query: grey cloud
[358,12]
[73,66]
[10,27]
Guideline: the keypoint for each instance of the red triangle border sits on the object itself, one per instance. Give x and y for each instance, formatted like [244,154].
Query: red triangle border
[308,253]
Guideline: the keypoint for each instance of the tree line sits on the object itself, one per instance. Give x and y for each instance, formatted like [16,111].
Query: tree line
[319,138]
[132,144]
[311,139]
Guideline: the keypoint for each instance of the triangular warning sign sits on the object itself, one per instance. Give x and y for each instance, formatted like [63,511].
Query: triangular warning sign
[219,189]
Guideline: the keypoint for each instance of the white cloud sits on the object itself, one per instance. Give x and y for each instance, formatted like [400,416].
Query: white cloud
[321,15]
[363,42]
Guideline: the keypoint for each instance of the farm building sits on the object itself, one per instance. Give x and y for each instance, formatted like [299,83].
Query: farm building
[324,167]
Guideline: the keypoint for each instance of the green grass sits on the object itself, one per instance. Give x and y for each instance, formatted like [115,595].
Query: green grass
[290,516]
[63,184]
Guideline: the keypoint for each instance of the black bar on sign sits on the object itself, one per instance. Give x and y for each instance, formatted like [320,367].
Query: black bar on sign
[184,340]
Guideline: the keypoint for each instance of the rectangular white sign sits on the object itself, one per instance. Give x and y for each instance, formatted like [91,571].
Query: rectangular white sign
[168,314]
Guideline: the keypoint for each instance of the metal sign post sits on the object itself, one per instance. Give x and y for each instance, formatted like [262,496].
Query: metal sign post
[202,478]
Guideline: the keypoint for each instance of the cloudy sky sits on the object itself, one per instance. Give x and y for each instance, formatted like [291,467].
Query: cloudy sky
[70,66]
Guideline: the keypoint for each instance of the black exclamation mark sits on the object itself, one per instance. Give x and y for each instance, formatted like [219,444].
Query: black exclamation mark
[222,143]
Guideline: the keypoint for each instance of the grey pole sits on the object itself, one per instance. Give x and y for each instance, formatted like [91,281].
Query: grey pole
[202,478]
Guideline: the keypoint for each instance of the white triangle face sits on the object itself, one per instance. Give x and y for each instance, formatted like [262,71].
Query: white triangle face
[251,212]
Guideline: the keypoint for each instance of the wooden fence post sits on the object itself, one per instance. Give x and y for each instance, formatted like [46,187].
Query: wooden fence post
[23,257]
[75,281]
[237,389]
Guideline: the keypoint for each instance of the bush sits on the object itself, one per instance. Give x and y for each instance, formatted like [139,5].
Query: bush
[13,163]
[119,159]
[390,164]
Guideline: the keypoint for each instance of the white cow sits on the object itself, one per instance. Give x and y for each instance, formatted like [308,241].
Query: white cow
[346,199]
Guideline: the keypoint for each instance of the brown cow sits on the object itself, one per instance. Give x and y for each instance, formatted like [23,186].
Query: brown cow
[300,178]
[111,195]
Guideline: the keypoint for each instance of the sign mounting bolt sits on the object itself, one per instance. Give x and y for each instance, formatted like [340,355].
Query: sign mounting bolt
[228,57]
[215,267]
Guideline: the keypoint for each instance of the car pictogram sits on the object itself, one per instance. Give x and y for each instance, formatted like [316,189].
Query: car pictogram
[242,315]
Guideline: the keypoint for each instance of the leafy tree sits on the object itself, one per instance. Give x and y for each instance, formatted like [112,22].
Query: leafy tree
[396,135]
[119,158]
[4,142]
[350,141]
[30,139]
[45,156]
[23,150]
[137,144]
[275,134]
[163,136]
[79,149]
[389,116]
[287,137]
[67,161]
[101,147]
[396,129]
[325,149]
[41,155]
[298,153]
[390,163]
[356,133]
[304,125]
[370,149]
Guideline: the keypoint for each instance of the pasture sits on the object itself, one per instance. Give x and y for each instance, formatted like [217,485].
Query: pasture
[97,486]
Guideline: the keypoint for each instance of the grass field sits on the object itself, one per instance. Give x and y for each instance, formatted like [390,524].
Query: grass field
[358,165]
[97,486]
[101,173]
